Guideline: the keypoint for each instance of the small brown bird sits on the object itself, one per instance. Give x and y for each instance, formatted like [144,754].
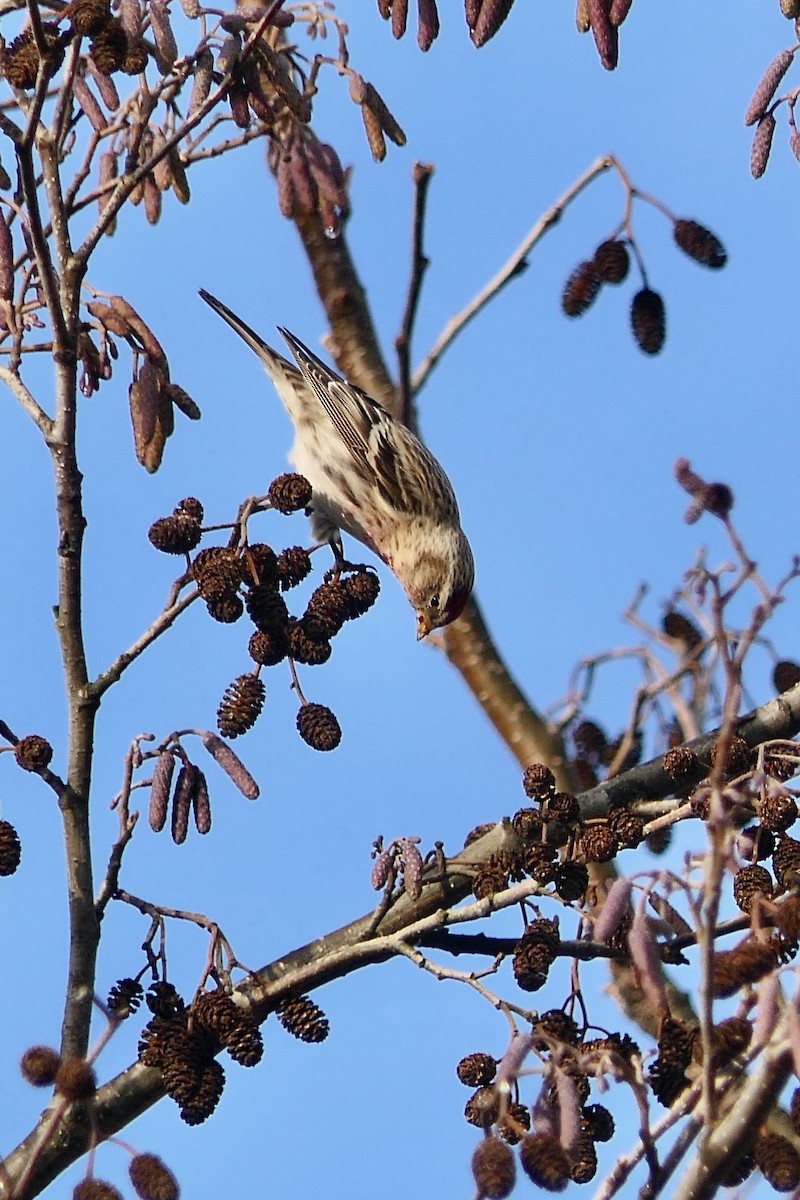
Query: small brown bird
[371,477]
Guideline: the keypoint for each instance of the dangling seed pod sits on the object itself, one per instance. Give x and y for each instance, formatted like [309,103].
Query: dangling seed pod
[33,753]
[360,591]
[648,321]
[304,1019]
[292,565]
[125,997]
[318,727]
[289,493]
[240,706]
[612,261]
[699,243]
[10,849]
[581,290]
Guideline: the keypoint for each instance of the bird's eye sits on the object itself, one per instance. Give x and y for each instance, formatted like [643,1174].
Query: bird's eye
[434,600]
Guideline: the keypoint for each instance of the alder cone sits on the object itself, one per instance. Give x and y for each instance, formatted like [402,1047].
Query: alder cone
[648,321]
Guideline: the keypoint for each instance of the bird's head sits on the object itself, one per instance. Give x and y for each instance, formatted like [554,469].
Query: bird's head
[437,572]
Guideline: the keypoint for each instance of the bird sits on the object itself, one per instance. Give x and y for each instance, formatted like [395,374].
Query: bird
[370,477]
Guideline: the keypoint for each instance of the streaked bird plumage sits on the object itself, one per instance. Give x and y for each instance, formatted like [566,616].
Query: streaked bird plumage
[371,477]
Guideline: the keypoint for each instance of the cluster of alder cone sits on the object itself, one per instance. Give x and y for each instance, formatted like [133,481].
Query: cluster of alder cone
[555,1137]
[251,577]
[610,264]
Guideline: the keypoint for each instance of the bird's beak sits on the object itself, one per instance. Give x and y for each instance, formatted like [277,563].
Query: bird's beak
[424,625]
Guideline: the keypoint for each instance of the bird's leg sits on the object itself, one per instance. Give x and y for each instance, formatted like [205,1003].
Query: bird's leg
[340,563]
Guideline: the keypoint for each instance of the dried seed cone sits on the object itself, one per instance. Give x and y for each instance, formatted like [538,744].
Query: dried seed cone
[304,1019]
[778,813]
[10,849]
[581,289]
[483,1107]
[21,61]
[535,953]
[33,753]
[778,1161]
[538,862]
[327,611]
[584,1159]
[494,1169]
[736,756]
[360,591]
[232,1027]
[75,1079]
[699,243]
[125,997]
[109,47]
[598,1122]
[152,1179]
[268,649]
[240,706]
[88,17]
[571,881]
[527,823]
[681,764]
[545,1161]
[488,881]
[216,573]
[785,675]
[289,493]
[477,1070]
[226,610]
[178,534]
[318,727]
[667,1076]
[538,782]
[267,609]
[305,644]
[514,1125]
[748,883]
[259,565]
[786,862]
[598,843]
[648,321]
[39,1065]
[612,261]
[627,827]
[558,1026]
[563,807]
[293,565]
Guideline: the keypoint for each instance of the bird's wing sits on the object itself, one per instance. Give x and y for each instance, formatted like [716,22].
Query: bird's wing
[383,450]
[277,367]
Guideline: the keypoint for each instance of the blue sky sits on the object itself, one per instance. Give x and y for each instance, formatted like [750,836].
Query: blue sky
[559,437]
